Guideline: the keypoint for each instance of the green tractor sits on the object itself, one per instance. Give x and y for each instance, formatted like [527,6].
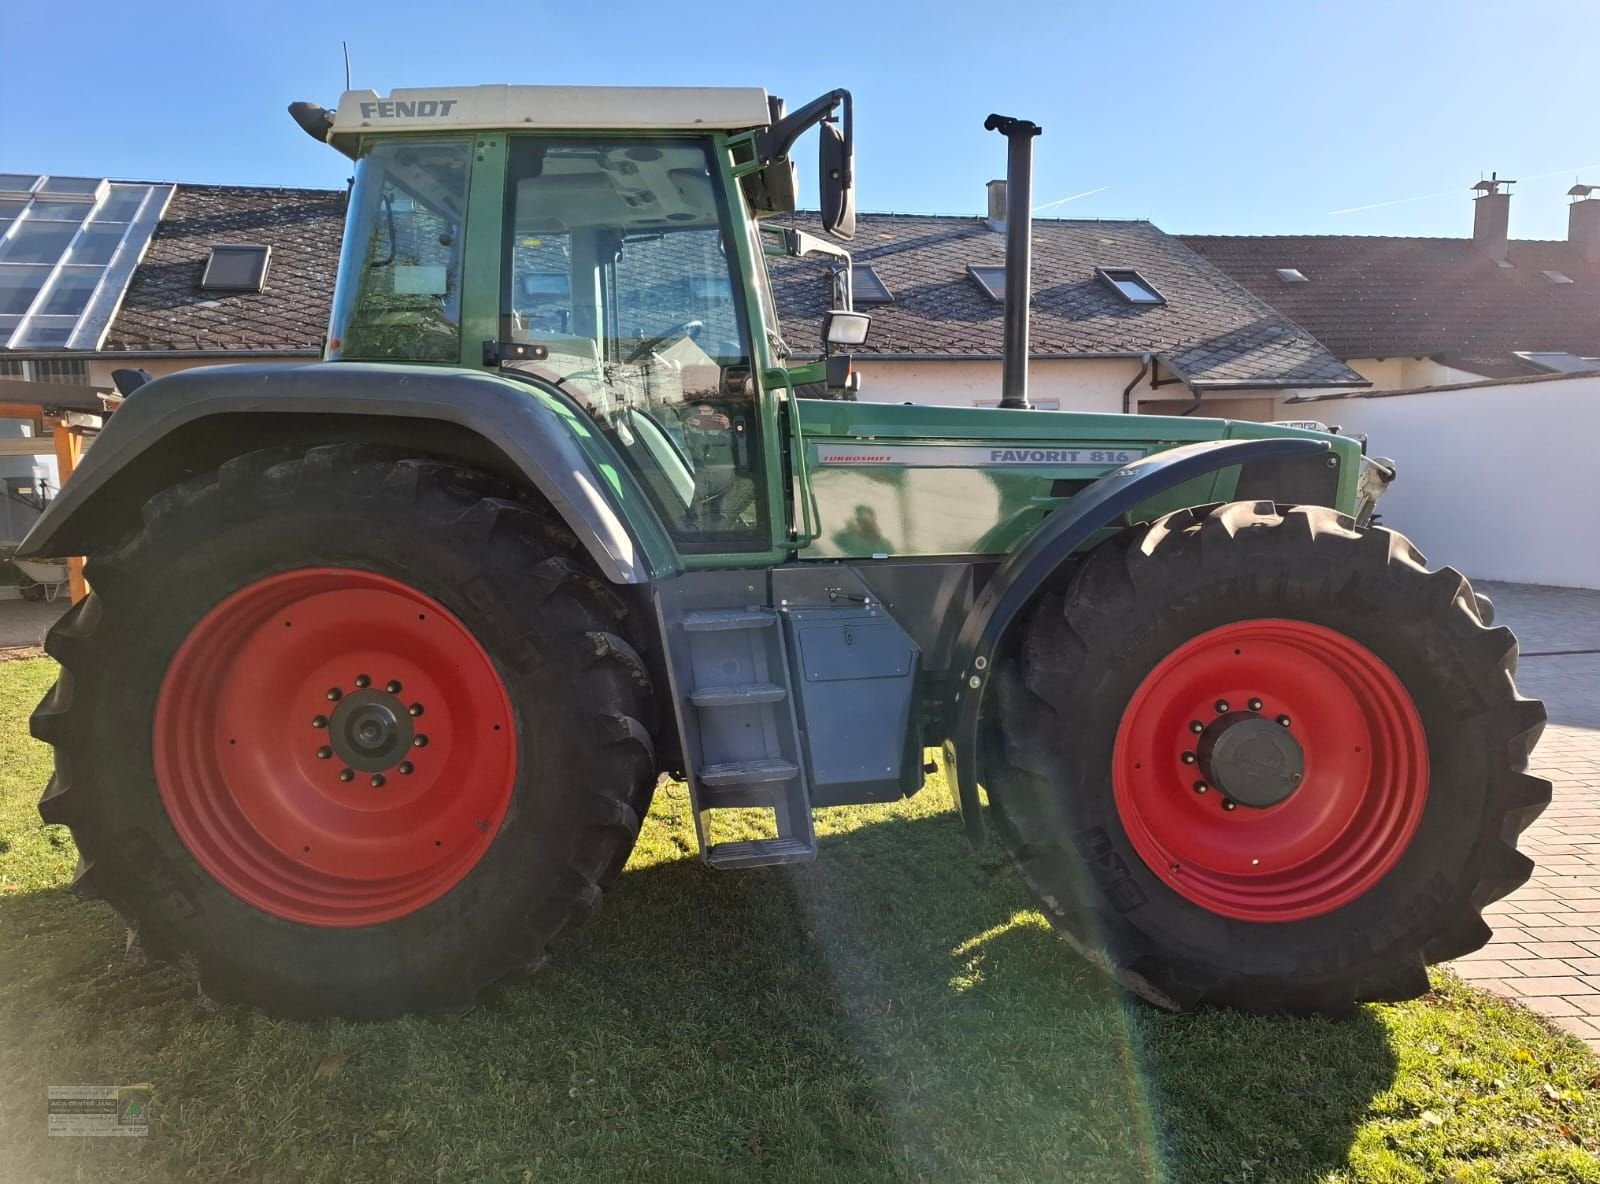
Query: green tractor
[385,655]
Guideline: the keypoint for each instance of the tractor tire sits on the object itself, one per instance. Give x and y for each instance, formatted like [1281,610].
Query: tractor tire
[345,734]
[1256,756]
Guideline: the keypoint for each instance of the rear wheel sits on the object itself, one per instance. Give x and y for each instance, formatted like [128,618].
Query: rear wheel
[1264,758]
[369,747]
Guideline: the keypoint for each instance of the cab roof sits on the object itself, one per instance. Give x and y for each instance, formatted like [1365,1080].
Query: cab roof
[563,108]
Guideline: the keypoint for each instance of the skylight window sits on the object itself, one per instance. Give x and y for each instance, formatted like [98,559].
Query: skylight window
[240,267]
[1130,285]
[1555,277]
[868,287]
[991,279]
[68,246]
[1559,362]
[1292,275]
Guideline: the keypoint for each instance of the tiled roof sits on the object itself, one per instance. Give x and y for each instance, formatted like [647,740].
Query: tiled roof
[1210,331]
[165,309]
[1369,297]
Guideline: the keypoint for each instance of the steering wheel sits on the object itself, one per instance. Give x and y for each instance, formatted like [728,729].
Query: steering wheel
[689,329]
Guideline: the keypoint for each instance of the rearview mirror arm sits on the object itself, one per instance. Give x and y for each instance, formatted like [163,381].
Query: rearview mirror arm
[773,143]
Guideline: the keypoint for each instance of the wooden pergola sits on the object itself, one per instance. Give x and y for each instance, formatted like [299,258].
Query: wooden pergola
[74,415]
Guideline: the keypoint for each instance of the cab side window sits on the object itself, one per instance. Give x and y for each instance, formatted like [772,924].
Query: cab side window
[619,269]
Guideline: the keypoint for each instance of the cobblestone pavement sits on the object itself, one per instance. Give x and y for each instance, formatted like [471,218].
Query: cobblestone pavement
[1546,946]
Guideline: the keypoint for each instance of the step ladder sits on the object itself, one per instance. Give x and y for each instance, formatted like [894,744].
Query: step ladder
[730,675]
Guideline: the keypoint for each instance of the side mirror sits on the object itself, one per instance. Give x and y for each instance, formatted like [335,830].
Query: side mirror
[836,176]
[840,327]
[771,188]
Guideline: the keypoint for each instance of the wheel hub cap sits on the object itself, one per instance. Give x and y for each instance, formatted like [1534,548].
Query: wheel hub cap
[371,731]
[1253,760]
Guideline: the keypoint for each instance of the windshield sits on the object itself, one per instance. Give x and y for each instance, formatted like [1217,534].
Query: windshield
[399,295]
[622,274]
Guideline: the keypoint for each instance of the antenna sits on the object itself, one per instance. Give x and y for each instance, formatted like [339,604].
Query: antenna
[345,45]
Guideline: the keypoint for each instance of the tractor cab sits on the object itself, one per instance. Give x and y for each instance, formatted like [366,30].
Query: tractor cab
[516,229]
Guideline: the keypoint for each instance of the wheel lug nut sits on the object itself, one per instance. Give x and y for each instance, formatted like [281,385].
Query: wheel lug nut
[320,721]
[1284,720]
[406,766]
[334,694]
[394,686]
[377,781]
[363,681]
[1188,758]
[1200,787]
[415,709]
[347,774]
[421,741]
[1196,726]
[1229,805]
[1255,705]
[1222,707]
[324,753]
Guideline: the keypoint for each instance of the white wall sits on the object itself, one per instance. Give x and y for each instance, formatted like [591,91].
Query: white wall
[1083,384]
[1500,480]
[1400,374]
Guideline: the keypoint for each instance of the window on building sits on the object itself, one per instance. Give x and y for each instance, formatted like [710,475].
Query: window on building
[1130,285]
[868,287]
[991,279]
[1559,361]
[64,370]
[68,246]
[238,267]
[1292,275]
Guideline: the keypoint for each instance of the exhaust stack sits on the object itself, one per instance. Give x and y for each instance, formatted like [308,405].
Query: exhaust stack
[1019,135]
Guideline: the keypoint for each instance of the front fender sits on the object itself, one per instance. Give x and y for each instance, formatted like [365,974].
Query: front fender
[201,417]
[1026,570]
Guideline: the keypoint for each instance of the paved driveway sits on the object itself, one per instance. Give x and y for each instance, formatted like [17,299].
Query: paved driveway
[25,622]
[1546,945]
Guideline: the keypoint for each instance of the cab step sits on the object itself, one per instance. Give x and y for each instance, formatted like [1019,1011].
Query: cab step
[748,773]
[716,620]
[730,674]
[738,695]
[760,853]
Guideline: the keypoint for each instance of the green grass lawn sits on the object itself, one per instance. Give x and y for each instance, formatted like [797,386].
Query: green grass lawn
[896,1011]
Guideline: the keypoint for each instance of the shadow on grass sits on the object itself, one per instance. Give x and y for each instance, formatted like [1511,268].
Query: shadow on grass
[894,1011]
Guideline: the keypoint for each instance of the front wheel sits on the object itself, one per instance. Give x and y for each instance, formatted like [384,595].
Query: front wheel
[1260,757]
[347,734]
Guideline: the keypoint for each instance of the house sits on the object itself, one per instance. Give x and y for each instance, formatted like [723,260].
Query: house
[160,276]
[96,274]
[1124,317]
[1423,312]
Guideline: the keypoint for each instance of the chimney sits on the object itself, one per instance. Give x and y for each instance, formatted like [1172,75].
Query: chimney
[1583,223]
[1491,217]
[997,206]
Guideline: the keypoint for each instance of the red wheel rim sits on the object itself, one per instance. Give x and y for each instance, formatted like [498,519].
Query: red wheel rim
[1357,804]
[334,747]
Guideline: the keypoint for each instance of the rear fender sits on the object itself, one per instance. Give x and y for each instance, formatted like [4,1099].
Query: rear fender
[197,419]
[1026,570]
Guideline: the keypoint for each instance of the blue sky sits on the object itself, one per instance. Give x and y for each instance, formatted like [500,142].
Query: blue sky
[1241,117]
